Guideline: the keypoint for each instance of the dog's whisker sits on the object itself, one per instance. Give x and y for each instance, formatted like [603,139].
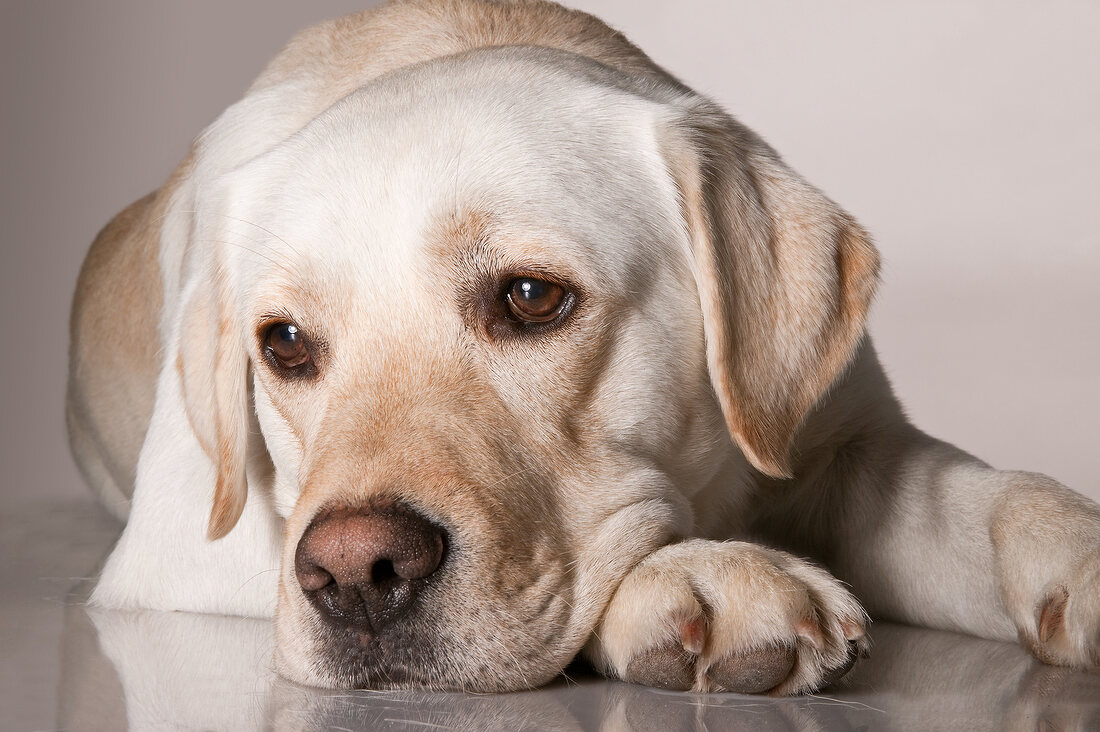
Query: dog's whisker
[274,251]
[263,241]
[515,661]
[845,703]
[506,478]
[269,232]
[253,224]
[250,250]
[417,723]
[258,574]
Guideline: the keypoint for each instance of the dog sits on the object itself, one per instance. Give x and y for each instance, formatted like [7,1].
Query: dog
[470,340]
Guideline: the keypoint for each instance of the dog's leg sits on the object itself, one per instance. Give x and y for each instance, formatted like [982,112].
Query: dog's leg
[929,535]
[712,616]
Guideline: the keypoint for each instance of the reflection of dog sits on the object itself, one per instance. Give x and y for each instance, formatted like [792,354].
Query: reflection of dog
[461,307]
[114,675]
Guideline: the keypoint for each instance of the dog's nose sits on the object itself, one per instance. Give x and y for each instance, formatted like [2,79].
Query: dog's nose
[363,567]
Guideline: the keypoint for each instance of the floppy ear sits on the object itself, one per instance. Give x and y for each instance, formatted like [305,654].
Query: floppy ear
[785,278]
[213,367]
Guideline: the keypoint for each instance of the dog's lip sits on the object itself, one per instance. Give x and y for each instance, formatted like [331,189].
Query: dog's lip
[366,664]
[409,655]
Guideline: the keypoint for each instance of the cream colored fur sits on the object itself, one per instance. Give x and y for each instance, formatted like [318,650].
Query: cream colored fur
[603,482]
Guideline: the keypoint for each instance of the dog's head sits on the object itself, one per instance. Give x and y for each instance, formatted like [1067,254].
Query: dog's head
[500,316]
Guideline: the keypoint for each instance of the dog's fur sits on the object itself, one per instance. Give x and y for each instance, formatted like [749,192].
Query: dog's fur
[601,480]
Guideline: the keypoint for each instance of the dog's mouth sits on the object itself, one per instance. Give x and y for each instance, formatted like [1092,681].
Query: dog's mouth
[447,639]
[391,660]
[387,598]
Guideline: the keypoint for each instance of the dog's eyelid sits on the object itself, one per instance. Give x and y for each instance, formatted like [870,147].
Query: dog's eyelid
[310,330]
[281,315]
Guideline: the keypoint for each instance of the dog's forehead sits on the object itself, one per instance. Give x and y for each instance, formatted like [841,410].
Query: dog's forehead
[555,167]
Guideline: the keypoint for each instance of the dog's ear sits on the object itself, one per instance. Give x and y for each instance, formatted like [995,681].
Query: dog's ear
[213,369]
[785,278]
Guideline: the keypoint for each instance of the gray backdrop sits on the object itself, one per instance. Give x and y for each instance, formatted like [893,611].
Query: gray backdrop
[965,136]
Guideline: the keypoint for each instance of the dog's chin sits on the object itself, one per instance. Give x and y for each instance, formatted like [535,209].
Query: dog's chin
[350,658]
[344,658]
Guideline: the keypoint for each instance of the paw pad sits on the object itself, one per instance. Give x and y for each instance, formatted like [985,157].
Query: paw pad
[754,672]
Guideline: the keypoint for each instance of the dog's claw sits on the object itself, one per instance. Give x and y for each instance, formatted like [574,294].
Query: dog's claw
[693,634]
[853,630]
[809,631]
[854,653]
[1052,616]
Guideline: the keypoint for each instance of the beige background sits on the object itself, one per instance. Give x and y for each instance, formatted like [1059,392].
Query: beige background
[965,136]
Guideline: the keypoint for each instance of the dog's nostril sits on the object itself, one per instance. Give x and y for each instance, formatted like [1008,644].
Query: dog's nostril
[364,567]
[382,572]
[311,577]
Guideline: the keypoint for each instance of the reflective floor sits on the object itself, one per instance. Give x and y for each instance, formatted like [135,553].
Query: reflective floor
[68,667]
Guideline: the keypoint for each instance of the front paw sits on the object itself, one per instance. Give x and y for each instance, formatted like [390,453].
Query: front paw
[729,616]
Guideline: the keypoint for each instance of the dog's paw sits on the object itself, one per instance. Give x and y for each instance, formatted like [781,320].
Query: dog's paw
[729,616]
[1065,626]
[1046,545]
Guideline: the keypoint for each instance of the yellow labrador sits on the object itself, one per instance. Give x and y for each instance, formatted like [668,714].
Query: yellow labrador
[501,344]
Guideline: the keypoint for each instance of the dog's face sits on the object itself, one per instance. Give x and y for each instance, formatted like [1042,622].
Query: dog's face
[496,328]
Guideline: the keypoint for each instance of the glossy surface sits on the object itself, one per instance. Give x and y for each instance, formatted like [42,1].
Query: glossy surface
[287,346]
[537,301]
[66,667]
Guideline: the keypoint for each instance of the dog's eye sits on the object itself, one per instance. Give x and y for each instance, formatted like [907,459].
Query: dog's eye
[534,300]
[286,345]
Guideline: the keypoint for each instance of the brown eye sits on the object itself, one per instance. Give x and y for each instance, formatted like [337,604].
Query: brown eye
[287,347]
[534,300]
